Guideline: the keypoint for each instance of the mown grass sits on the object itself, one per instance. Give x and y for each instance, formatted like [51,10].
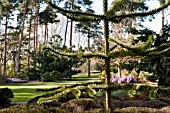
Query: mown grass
[23,92]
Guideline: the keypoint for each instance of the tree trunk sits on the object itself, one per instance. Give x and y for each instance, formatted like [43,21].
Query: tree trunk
[89,68]
[5,48]
[45,34]
[20,39]
[71,27]
[107,60]
[88,46]
[65,35]
[29,38]
[37,13]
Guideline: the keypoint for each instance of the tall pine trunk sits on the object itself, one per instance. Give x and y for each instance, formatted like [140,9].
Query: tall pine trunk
[71,27]
[65,35]
[5,50]
[29,39]
[45,34]
[88,46]
[20,38]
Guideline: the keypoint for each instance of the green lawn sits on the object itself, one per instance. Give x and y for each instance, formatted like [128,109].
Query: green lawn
[23,92]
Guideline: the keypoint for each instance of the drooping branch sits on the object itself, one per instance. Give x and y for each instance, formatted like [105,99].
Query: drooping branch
[138,48]
[111,14]
[81,18]
[78,54]
[159,51]
[75,13]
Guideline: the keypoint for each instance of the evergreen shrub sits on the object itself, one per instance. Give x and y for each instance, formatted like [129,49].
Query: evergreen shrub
[5,95]
[51,76]
[80,105]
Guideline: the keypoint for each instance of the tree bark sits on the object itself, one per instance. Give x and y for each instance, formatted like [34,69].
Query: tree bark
[65,35]
[5,48]
[29,38]
[20,39]
[45,34]
[88,46]
[71,27]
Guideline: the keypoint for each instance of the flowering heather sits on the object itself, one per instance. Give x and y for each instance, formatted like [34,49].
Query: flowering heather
[123,79]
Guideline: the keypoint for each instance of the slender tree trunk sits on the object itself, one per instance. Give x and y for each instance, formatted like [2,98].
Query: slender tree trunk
[71,27]
[20,39]
[37,13]
[65,35]
[163,18]
[89,68]
[88,46]
[29,38]
[45,34]
[5,48]
[34,44]
[107,60]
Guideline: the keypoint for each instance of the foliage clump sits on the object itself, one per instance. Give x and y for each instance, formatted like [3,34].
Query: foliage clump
[80,105]
[32,108]
[5,95]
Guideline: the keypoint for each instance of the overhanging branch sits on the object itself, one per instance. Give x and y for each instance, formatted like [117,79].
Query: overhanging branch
[111,15]
[78,55]
[74,13]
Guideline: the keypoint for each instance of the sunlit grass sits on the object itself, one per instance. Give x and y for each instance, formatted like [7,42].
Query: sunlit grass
[23,92]
[94,75]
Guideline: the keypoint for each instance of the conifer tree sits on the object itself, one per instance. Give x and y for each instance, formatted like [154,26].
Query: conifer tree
[113,15]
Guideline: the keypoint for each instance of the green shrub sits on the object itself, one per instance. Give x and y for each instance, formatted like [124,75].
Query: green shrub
[164,92]
[67,73]
[120,93]
[20,75]
[5,95]
[51,76]
[31,73]
[99,67]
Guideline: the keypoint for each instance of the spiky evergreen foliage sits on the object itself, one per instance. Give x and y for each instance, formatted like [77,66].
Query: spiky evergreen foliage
[113,15]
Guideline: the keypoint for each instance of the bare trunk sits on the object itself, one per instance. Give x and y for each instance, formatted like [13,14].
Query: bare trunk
[71,31]
[88,46]
[65,36]
[29,45]
[163,18]
[5,48]
[71,27]
[37,14]
[34,34]
[45,34]
[20,40]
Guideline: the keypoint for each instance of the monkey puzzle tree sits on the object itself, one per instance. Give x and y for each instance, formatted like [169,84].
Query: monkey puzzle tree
[115,15]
